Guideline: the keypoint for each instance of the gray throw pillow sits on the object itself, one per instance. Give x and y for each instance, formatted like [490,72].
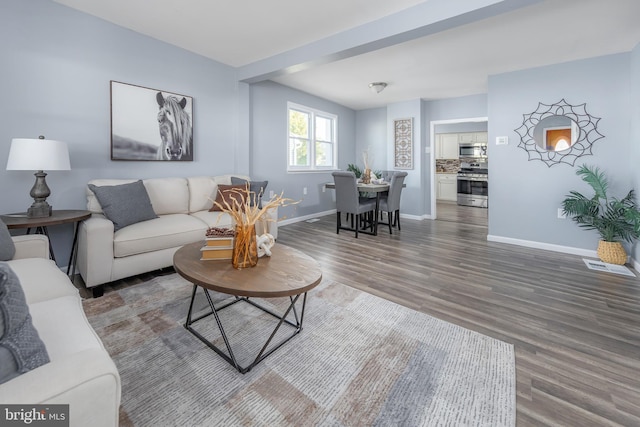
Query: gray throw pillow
[257,187]
[124,204]
[21,348]
[7,248]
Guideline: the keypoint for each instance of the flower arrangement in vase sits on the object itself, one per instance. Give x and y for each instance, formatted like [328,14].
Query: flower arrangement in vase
[245,210]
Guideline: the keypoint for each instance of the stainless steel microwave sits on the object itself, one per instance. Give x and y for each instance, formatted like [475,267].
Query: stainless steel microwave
[474,150]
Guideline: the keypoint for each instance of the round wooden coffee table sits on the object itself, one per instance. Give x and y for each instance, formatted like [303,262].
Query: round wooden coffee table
[286,273]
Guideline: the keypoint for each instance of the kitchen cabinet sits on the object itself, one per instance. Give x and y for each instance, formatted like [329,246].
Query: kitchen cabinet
[471,137]
[482,137]
[447,146]
[447,186]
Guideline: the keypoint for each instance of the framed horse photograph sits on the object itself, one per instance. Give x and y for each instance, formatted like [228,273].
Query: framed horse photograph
[150,124]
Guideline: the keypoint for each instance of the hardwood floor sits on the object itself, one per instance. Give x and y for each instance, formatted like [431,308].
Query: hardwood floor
[576,332]
[450,211]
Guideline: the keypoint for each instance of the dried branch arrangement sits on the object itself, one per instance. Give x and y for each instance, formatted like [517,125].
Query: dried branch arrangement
[245,209]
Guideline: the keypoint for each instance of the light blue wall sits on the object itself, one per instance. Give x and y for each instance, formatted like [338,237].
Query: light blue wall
[56,68]
[464,107]
[525,195]
[413,195]
[634,140]
[456,108]
[462,127]
[269,147]
[371,134]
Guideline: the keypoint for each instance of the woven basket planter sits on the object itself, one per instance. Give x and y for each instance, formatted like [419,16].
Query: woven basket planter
[612,252]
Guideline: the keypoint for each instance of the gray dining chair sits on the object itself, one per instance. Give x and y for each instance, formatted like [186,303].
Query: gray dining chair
[391,203]
[348,201]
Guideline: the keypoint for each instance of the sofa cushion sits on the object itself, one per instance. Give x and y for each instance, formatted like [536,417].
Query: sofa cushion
[70,333]
[164,232]
[202,190]
[24,350]
[124,204]
[215,219]
[93,205]
[42,279]
[256,189]
[7,248]
[229,196]
[168,195]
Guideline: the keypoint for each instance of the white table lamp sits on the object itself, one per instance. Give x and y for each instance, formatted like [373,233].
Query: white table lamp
[39,155]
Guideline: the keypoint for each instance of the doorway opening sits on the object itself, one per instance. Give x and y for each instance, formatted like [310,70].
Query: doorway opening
[446,135]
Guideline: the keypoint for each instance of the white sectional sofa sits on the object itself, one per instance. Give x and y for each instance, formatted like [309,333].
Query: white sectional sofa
[182,206]
[80,372]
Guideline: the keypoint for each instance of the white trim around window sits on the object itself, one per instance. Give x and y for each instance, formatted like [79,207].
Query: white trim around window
[312,139]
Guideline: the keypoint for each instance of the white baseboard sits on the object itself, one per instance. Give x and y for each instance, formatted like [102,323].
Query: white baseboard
[545,246]
[416,217]
[556,248]
[306,217]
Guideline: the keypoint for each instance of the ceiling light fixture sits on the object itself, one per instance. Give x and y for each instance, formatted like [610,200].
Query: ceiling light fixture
[377,87]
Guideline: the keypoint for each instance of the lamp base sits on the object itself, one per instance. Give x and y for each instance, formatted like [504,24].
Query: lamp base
[40,191]
[39,210]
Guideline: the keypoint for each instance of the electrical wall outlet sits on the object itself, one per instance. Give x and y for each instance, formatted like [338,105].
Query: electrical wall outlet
[324,188]
[502,140]
[304,191]
[271,194]
[561,215]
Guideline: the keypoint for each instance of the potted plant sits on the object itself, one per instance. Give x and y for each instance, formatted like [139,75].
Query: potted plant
[355,169]
[615,219]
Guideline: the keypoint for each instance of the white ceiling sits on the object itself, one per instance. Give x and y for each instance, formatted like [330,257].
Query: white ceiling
[455,61]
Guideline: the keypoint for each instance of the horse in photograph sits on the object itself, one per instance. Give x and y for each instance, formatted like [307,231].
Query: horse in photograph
[175,129]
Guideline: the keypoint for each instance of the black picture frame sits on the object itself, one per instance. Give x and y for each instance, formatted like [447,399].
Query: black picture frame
[150,124]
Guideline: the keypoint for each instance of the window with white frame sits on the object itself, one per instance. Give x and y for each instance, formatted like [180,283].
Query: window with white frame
[312,139]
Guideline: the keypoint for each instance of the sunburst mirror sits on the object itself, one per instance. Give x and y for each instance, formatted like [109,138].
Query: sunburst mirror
[558,133]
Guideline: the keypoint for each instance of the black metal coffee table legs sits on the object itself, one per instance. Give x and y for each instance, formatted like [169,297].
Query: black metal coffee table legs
[265,350]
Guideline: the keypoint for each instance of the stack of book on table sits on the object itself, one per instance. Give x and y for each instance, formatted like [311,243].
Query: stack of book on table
[218,244]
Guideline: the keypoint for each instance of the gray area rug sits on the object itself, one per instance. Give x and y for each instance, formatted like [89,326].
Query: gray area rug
[359,361]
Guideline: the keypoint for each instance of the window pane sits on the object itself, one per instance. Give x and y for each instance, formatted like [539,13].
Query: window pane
[298,152]
[312,139]
[324,154]
[298,124]
[324,129]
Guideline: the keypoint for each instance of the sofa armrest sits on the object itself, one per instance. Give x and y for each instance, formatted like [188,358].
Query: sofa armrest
[95,250]
[31,246]
[88,381]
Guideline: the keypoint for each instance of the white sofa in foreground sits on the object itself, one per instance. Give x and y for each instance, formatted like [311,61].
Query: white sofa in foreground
[80,372]
[182,206]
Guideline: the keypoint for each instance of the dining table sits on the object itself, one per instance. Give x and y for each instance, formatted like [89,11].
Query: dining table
[378,189]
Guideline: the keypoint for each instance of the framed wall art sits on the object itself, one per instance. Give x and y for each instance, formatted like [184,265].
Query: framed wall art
[403,143]
[150,124]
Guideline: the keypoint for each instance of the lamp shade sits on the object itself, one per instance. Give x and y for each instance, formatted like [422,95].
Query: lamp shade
[38,154]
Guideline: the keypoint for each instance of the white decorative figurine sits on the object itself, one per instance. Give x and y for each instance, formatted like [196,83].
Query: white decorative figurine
[265,242]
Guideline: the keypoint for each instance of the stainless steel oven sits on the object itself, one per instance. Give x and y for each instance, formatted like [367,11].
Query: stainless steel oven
[473,187]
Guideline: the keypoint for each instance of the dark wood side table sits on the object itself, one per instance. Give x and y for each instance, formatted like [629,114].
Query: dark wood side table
[20,220]
[286,273]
